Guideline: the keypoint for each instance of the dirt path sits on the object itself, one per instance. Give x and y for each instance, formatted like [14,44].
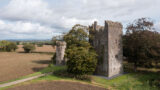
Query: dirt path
[57,85]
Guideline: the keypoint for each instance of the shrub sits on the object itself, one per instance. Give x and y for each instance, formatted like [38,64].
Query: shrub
[11,47]
[29,48]
[81,61]
[3,45]
[7,46]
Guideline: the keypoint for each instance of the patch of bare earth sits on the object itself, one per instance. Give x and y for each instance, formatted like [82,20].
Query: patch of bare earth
[57,85]
[14,64]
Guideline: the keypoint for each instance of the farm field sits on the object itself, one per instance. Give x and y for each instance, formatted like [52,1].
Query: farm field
[17,64]
[129,81]
[57,85]
[45,48]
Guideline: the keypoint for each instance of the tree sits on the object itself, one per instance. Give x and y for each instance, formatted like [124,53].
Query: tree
[141,44]
[78,36]
[3,45]
[140,25]
[7,46]
[11,47]
[29,47]
[82,58]
[81,61]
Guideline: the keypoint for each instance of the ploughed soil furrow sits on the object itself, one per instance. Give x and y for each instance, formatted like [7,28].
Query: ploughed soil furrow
[17,64]
[57,85]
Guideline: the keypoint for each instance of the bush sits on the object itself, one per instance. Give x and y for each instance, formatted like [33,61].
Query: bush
[29,48]
[3,45]
[11,47]
[81,61]
[7,46]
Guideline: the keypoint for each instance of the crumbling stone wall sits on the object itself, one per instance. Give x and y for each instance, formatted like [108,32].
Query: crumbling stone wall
[60,52]
[107,41]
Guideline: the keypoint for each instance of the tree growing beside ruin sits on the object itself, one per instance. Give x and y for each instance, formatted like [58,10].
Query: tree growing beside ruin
[82,59]
[141,44]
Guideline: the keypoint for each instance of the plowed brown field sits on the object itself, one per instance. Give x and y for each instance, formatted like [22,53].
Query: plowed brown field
[57,85]
[14,64]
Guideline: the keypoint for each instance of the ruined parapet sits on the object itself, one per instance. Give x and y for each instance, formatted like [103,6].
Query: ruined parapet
[107,42]
[60,52]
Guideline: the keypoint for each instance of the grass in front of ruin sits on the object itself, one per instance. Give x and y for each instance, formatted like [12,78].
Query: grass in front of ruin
[139,80]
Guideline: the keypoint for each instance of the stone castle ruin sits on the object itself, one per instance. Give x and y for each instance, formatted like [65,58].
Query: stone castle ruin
[107,41]
[60,52]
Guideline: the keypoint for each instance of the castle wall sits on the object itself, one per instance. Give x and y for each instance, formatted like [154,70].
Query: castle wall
[107,42]
[115,53]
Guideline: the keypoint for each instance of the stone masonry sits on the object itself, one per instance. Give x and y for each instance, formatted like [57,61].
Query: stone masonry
[60,52]
[107,41]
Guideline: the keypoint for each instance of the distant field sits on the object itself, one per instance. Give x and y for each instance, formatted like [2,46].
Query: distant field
[16,64]
[45,48]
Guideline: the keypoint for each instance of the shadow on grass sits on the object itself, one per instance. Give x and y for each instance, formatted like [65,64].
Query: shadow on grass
[42,62]
[146,76]
[40,69]
[37,69]
[62,73]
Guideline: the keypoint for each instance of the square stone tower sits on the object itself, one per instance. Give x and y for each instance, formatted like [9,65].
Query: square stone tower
[107,41]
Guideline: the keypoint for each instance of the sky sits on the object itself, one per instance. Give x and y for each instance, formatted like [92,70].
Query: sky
[43,19]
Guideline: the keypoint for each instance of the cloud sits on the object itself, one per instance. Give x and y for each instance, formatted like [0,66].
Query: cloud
[27,10]
[20,29]
[57,16]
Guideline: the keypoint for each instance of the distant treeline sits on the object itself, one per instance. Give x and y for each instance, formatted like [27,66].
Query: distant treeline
[39,43]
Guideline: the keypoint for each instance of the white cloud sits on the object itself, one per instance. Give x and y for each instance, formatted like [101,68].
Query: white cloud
[26,29]
[46,16]
[68,22]
[32,10]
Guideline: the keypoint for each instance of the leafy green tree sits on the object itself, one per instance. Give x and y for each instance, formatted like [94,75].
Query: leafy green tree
[29,48]
[77,37]
[7,46]
[141,44]
[82,59]
[3,45]
[11,47]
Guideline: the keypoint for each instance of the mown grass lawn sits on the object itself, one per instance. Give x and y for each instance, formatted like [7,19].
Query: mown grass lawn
[129,81]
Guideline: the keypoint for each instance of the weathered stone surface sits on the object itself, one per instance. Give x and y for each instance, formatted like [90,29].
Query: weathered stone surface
[60,52]
[107,42]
